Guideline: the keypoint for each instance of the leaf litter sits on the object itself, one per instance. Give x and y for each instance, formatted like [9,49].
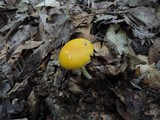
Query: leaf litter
[125,64]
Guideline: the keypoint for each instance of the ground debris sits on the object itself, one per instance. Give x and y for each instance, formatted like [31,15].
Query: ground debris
[125,65]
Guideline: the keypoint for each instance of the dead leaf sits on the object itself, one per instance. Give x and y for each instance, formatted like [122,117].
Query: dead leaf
[102,5]
[153,77]
[146,15]
[74,88]
[154,51]
[10,2]
[3,52]
[63,28]
[117,69]
[137,60]
[49,3]
[102,50]
[82,24]
[119,38]
[26,46]
[19,87]
[143,20]
[47,27]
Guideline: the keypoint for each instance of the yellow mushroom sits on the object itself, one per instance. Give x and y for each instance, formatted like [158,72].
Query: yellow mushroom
[75,54]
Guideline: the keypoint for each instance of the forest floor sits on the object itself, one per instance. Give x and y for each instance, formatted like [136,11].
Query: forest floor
[125,66]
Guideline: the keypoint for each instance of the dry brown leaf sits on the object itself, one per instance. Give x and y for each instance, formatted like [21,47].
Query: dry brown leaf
[104,51]
[101,50]
[84,32]
[102,5]
[147,15]
[137,60]
[3,52]
[74,88]
[153,77]
[47,27]
[154,52]
[117,69]
[82,19]
[82,23]
[27,45]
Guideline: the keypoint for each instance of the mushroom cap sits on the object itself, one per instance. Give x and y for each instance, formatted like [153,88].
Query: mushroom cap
[75,53]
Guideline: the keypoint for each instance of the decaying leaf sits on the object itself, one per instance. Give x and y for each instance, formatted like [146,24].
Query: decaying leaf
[105,18]
[2,4]
[82,24]
[10,2]
[102,51]
[32,82]
[119,38]
[112,63]
[4,88]
[153,75]
[135,3]
[3,52]
[75,89]
[26,46]
[154,52]
[102,5]
[143,20]
[47,27]
[49,3]
[147,15]
[137,60]
[62,29]
[105,52]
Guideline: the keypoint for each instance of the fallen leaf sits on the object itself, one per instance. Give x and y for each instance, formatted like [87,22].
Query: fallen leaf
[105,18]
[27,45]
[74,88]
[47,27]
[102,50]
[49,3]
[154,51]
[143,20]
[119,38]
[147,15]
[153,77]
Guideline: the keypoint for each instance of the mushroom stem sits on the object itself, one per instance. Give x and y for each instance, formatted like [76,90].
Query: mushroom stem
[85,73]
